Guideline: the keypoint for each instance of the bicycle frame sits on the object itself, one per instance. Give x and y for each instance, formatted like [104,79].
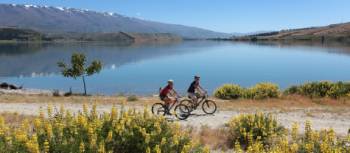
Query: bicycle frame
[200,100]
[172,105]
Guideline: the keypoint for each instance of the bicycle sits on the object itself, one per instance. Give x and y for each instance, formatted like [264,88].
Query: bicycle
[182,111]
[208,106]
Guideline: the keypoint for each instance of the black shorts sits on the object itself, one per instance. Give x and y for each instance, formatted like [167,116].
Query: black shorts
[162,97]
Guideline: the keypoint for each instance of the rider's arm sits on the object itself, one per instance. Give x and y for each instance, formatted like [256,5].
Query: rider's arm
[201,89]
[177,95]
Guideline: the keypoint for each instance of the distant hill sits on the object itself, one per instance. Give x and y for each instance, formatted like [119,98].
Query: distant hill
[19,34]
[57,20]
[334,32]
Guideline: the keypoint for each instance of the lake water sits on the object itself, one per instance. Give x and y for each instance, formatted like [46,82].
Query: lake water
[142,69]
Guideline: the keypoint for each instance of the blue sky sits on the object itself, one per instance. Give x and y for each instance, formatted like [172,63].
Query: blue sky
[220,15]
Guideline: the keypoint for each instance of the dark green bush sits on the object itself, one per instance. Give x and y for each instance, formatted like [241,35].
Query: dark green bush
[291,90]
[132,98]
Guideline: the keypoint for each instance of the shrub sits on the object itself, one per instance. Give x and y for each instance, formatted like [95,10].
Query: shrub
[132,98]
[248,128]
[291,90]
[316,89]
[262,91]
[229,91]
[261,133]
[320,89]
[123,131]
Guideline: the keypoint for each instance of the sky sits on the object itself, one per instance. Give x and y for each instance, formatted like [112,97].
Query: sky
[228,16]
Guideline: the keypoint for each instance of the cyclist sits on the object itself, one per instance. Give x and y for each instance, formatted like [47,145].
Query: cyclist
[168,94]
[194,88]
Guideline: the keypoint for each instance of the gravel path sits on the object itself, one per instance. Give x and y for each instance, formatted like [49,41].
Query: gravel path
[340,122]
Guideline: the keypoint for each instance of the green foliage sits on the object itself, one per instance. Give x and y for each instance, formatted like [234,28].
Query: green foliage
[229,91]
[117,131]
[78,68]
[248,128]
[259,91]
[321,89]
[263,91]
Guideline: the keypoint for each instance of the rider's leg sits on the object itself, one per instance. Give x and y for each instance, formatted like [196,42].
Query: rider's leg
[167,102]
[193,97]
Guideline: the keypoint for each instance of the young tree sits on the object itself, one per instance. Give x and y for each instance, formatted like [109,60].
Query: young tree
[78,68]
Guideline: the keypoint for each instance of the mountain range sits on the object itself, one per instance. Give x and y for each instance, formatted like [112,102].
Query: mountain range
[49,19]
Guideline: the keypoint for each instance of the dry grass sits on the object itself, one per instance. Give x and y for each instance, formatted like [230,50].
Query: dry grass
[216,139]
[284,103]
[15,119]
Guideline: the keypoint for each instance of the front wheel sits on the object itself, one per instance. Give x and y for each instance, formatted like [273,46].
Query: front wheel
[209,107]
[158,109]
[182,112]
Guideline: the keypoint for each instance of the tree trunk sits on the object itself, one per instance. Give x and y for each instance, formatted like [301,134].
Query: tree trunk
[84,85]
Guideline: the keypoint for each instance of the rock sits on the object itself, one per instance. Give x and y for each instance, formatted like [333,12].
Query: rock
[7,86]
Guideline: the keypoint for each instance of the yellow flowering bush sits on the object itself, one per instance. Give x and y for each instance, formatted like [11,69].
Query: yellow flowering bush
[89,132]
[248,128]
[263,91]
[229,91]
[247,134]
[259,91]
[321,89]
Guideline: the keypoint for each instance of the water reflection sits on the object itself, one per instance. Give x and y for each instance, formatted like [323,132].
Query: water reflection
[143,68]
[41,59]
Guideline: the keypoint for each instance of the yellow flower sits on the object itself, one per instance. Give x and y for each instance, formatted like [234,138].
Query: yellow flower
[49,110]
[109,136]
[81,147]
[148,150]
[295,128]
[101,148]
[46,146]
[157,149]
[206,149]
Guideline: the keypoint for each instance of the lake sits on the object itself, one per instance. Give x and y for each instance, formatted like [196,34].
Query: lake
[142,69]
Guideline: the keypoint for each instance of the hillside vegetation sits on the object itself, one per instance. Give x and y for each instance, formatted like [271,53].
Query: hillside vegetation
[18,34]
[334,32]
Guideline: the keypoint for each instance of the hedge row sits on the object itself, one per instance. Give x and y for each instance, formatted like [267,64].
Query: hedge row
[270,90]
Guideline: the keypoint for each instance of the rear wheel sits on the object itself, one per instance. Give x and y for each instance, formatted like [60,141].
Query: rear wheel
[158,109]
[188,103]
[182,112]
[209,107]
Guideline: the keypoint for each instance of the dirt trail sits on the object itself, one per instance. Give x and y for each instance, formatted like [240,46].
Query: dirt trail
[339,121]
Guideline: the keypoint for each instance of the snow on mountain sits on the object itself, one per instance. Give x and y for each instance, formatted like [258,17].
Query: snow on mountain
[62,19]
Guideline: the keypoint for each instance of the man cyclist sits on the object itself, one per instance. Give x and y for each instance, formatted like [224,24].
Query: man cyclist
[194,88]
[168,94]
